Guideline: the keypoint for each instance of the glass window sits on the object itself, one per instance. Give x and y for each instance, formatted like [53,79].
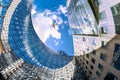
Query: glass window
[86,62]
[117,64]
[83,38]
[93,42]
[104,30]
[114,12]
[2,11]
[100,66]
[94,52]
[102,44]
[115,9]
[87,48]
[102,15]
[93,60]
[87,55]
[103,56]
[110,76]
[98,73]
[83,62]
[90,72]
[91,67]
[116,15]
[97,2]
[1,20]
[6,2]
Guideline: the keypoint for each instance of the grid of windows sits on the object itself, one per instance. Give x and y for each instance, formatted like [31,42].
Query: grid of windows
[116,15]
[3,8]
[23,40]
[78,17]
[115,9]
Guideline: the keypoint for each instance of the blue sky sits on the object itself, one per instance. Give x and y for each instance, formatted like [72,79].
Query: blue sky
[44,13]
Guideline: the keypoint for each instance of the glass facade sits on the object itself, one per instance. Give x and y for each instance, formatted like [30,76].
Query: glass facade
[110,76]
[116,15]
[26,44]
[81,18]
[116,57]
[21,43]
[3,8]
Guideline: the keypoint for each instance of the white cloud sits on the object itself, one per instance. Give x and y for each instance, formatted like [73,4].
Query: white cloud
[42,24]
[54,17]
[63,9]
[59,20]
[47,13]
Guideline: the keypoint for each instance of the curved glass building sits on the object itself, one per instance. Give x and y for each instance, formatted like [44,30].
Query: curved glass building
[20,44]
[23,40]
[23,56]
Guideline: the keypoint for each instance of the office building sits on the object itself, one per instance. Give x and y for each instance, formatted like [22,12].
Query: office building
[22,54]
[97,54]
